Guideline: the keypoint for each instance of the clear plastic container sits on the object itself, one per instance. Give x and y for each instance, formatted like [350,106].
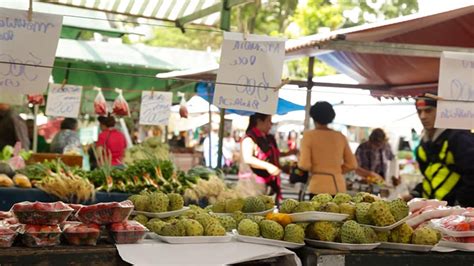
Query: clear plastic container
[41,235]
[105,213]
[419,203]
[80,234]
[41,213]
[7,236]
[76,208]
[455,225]
[128,232]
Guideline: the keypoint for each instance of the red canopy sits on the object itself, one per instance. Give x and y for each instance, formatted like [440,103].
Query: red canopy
[388,53]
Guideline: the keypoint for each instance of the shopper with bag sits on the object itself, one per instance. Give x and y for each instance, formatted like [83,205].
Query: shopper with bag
[325,153]
[260,157]
[111,139]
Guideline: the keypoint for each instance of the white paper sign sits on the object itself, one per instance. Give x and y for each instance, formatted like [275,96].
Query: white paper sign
[256,64]
[155,108]
[456,85]
[12,98]
[64,102]
[27,42]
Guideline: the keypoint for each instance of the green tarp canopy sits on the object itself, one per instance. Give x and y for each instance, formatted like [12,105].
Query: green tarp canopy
[75,21]
[136,66]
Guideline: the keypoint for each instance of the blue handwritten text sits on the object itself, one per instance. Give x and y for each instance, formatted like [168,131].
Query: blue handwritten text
[9,83]
[461,90]
[251,87]
[467,64]
[20,23]
[243,60]
[457,113]
[239,102]
[7,36]
[264,47]
[16,69]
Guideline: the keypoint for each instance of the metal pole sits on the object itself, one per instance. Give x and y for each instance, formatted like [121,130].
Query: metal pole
[225,26]
[210,126]
[35,128]
[308,92]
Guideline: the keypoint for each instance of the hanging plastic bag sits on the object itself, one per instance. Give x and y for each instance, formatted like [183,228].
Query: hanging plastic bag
[120,106]
[36,99]
[100,105]
[183,108]
[17,162]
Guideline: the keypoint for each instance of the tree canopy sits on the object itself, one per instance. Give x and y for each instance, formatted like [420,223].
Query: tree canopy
[288,18]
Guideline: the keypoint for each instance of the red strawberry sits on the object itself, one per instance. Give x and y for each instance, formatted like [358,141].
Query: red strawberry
[73,240]
[471,224]
[117,227]
[463,226]
[469,239]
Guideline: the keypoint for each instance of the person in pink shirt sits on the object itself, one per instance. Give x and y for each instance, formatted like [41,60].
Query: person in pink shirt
[111,139]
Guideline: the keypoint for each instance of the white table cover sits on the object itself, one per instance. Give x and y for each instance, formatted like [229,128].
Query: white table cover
[153,252]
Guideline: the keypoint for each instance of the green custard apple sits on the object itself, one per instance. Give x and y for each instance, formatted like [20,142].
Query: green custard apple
[271,230]
[193,228]
[362,213]
[218,207]
[227,222]
[352,233]
[425,236]
[341,198]
[248,227]
[348,208]
[214,229]
[294,233]
[322,198]
[380,214]
[401,234]
[176,202]
[253,204]
[304,206]
[233,205]
[399,209]
[268,201]
[288,205]
[323,230]
[158,202]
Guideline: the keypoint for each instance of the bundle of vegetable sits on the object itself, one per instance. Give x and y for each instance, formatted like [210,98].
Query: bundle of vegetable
[66,185]
[151,148]
[213,189]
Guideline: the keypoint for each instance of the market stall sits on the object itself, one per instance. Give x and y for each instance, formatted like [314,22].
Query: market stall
[147,210]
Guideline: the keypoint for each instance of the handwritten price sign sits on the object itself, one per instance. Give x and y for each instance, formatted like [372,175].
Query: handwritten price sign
[23,46]
[255,65]
[456,84]
[64,102]
[155,108]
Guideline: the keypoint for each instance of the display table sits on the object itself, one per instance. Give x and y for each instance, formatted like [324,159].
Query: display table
[377,257]
[12,195]
[104,255]
[158,253]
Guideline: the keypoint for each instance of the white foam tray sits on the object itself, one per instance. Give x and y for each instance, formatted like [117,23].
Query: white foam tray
[340,246]
[265,241]
[161,214]
[192,239]
[455,233]
[388,227]
[433,214]
[457,245]
[420,203]
[406,247]
[312,216]
[262,213]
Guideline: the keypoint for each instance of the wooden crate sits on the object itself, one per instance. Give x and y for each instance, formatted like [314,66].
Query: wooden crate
[69,160]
